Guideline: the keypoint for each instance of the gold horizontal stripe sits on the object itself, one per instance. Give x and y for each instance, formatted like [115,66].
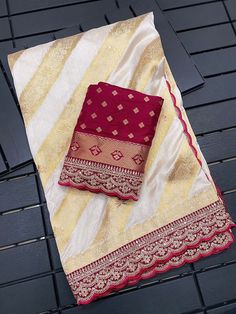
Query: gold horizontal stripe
[45,76]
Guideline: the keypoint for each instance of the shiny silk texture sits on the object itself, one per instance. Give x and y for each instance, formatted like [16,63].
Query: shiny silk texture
[106,243]
[111,141]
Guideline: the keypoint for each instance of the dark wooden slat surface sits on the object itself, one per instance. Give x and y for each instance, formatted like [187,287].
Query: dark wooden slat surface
[31,273]
[27,224]
[197,16]
[218,282]
[215,89]
[212,37]
[27,296]
[208,118]
[217,61]
[173,4]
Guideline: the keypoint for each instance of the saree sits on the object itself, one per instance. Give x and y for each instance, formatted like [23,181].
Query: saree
[106,243]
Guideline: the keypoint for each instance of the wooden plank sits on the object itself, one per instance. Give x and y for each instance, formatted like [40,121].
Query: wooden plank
[12,136]
[21,226]
[18,193]
[218,285]
[21,6]
[224,175]
[159,297]
[230,200]
[227,309]
[3,8]
[197,16]
[2,164]
[231,7]
[219,145]
[179,61]
[55,254]
[208,38]
[19,171]
[31,41]
[215,89]
[30,259]
[33,296]
[209,118]
[54,19]
[215,62]
[65,294]
[171,4]
[5,31]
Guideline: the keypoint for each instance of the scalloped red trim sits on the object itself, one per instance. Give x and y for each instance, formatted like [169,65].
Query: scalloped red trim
[200,234]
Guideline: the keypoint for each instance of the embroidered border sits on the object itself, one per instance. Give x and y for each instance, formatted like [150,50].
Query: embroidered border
[100,177]
[185,240]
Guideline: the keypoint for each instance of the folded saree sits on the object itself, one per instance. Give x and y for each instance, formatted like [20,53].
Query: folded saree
[104,242]
[111,141]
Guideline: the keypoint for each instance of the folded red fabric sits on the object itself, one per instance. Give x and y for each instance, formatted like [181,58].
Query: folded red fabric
[111,141]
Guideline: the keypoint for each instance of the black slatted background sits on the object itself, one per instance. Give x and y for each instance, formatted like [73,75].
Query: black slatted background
[31,277]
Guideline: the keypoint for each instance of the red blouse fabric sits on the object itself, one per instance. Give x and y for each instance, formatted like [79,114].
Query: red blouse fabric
[111,141]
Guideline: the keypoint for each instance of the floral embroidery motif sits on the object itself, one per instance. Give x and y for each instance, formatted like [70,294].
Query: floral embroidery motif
[98,177]
[99,129]
[89,101]
[75,146]
[138,159]
[185,240]
[117,155]
[109,118]
[114,93]
[135,110]
[104,104]
[83,126]
[94,115]
[95,150]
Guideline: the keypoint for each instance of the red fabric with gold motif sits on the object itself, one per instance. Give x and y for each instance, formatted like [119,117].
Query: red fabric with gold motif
[111,141]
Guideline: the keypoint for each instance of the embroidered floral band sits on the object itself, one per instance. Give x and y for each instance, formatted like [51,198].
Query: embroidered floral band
[111,141]
[104,242]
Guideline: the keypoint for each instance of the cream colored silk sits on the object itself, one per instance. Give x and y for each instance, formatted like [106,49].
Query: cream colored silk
[129,53]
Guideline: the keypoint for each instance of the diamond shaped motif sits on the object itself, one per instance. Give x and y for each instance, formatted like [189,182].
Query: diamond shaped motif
[89,101]
[135,110]
[114,92]
[93,115]
[117,155]
[146,139]
[109,118]
[125,121]
[138,159]
[75,146]
[99,90]
[104,104]
[95,150]
[98,129]
[114,132]
[146,99]
[83,126]
[152,113]
[130,135]
[131,96]
[120,107]
[141,125]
